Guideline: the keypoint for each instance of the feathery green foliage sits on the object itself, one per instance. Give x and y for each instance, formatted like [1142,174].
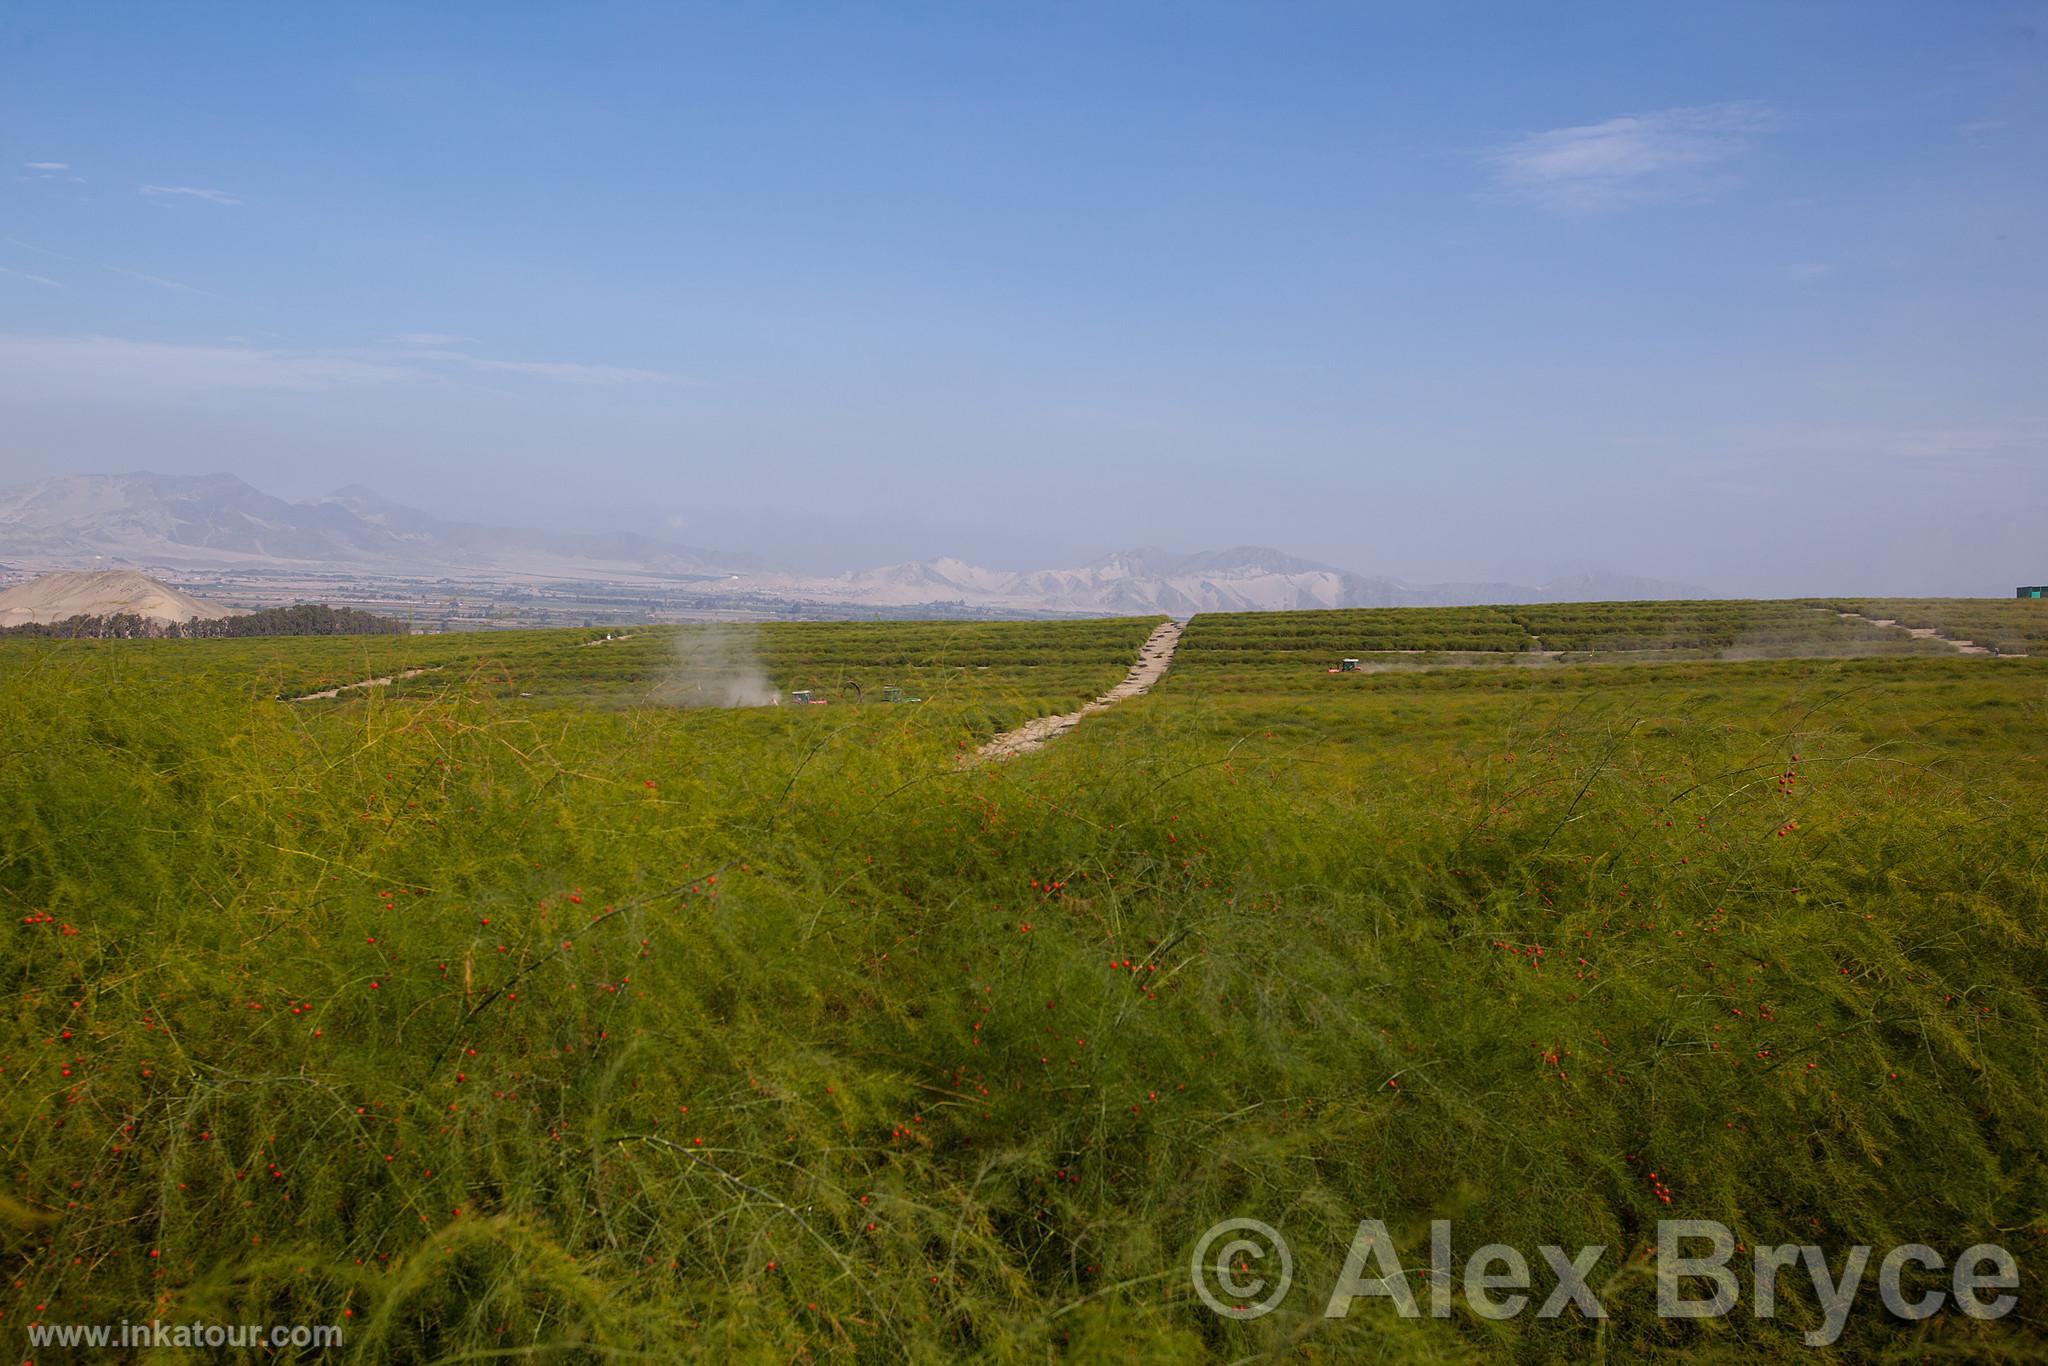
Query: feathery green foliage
[576,1026]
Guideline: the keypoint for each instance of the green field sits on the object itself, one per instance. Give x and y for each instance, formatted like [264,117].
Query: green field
[2014,626]
[524,1010]
[1579,632]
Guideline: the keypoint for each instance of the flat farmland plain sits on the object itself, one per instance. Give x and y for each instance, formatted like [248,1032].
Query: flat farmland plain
[532,1006]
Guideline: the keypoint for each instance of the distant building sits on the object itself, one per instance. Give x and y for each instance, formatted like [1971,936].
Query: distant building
[2035,592]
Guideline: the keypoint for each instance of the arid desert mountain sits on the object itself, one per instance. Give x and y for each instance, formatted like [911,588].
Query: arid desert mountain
[110,592]
[1148,580]
[221,521]
[218,523]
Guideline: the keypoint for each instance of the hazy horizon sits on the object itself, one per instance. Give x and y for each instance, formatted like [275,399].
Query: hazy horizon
[1748,298]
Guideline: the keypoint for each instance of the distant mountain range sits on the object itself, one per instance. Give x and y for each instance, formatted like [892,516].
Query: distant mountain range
[219,522]
[1149,580]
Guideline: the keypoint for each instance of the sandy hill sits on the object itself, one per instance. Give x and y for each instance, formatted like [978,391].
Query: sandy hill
[56,597]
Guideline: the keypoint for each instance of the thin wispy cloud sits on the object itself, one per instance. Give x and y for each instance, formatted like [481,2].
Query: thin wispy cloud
[48,170]
[1635,159]
[568,372]
[1976,442]
[427,339]
[43,280]
[97,367]
[40,251]
[2012,442]
[189,191]
[101,368]
[159,281]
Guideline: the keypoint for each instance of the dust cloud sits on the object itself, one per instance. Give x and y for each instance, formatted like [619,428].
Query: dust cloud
[716,666]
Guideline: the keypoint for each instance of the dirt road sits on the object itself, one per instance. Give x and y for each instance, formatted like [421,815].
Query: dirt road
[1153,657]
[1961,647]
[365,683]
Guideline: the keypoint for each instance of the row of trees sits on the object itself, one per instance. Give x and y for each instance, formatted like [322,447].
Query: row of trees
[300,619]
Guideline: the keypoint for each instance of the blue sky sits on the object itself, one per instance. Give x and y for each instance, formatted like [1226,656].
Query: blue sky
[1746,296]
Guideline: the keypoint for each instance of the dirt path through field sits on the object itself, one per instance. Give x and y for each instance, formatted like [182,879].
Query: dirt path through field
[1153,657]
[384,682]
[1961,647]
